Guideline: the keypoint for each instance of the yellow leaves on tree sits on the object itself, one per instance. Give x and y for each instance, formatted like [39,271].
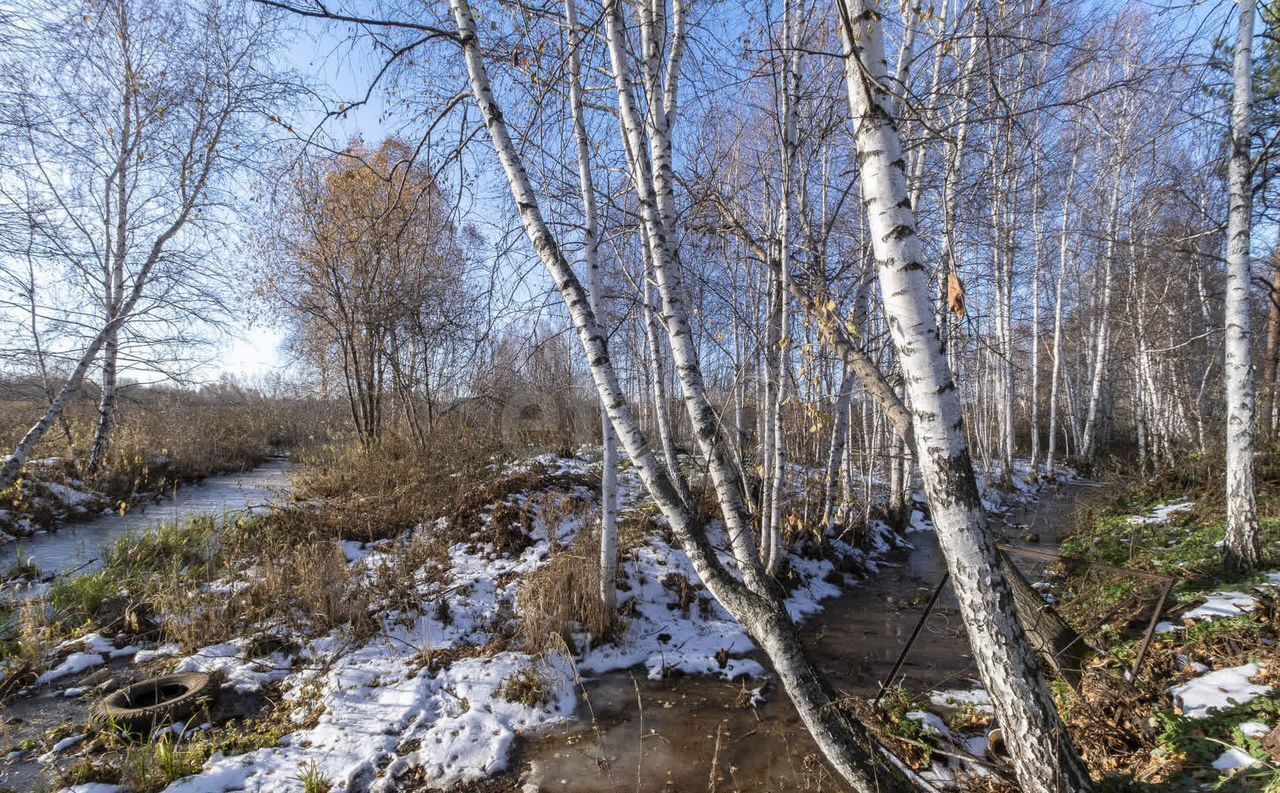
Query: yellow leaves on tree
[955,296]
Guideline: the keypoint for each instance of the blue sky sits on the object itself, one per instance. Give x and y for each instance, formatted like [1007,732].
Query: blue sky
[250,350]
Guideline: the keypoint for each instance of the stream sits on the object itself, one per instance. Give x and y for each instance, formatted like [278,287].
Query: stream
[700,733]
[78,545]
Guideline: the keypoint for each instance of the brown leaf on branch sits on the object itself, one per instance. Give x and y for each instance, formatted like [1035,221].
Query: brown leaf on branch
[955,296]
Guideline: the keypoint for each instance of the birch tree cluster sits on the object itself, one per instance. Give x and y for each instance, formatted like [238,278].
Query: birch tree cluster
[1040,193]
[811,253]
[125,129]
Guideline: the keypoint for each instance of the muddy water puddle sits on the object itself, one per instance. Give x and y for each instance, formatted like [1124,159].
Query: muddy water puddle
[703,734]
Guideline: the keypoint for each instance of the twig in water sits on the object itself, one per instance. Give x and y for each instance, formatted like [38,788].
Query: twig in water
[640,753]
[595,725]
[715,759]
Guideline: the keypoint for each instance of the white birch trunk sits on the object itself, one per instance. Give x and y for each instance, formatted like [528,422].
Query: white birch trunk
[1034,386]
[847,745]
[1043,757]
[591,257]
[1102,338]
[790,91]
[1241,548]
[1056,366]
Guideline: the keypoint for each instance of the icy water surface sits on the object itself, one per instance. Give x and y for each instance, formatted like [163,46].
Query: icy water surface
[699,733]
[80,544]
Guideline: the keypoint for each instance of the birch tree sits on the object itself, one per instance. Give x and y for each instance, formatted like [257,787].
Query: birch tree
[129,122]
[591,259]
[1043,757]
[754,599]
[1241,549]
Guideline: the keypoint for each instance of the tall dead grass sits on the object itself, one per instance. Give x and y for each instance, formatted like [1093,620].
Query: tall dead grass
[292,589]
[164,437]
[562,598]
[384,489]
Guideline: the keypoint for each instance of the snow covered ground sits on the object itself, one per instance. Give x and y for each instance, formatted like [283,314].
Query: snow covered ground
[388,714]
[432,696]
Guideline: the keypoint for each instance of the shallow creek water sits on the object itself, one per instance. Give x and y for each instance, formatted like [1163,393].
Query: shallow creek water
[80,544]
[699,733]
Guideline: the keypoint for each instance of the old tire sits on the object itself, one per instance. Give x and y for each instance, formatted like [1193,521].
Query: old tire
[156,701]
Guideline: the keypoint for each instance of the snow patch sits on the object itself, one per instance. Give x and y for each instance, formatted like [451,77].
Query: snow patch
[1162,513]
[978,698]
[1233,759]
[243,675]
[1222,604]
[1253,729]
[1218,690]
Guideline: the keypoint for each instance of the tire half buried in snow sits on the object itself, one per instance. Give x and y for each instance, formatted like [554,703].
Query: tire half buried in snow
[154,702]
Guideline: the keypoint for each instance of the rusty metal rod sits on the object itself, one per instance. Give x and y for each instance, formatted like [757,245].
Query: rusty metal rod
[1151,628]
[902,657]
[1057,557]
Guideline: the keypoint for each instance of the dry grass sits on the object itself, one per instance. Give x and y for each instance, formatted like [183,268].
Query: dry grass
[302,589]
[562,598]
[380,491]
[162,439]
[528,687]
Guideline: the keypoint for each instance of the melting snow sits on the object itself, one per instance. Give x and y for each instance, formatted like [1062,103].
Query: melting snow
[1222,604]
[932,723]
[1160,514]
[1253,729]
[978,698]
[243,675]
[1218,690]
[1232,759]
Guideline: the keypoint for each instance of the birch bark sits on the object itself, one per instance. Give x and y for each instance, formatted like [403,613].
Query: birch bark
[1043,757]
[1241,548]
[591,257]
[846,743]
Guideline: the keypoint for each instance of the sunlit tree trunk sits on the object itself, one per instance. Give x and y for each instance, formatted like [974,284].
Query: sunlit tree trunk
[754,599]
[1055,368]
[1271,357]
[591,257]
[1102,337]
[1042,755]
[1033,398]
[835,450]
[1241,548]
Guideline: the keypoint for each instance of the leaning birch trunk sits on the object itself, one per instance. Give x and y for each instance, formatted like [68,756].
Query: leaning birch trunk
[658,383]
[703,421]
[46,383]
[847,744]
[1061,648]
[590,255]
[22,451]
[9,471]
[1241,548]
[1043,758]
